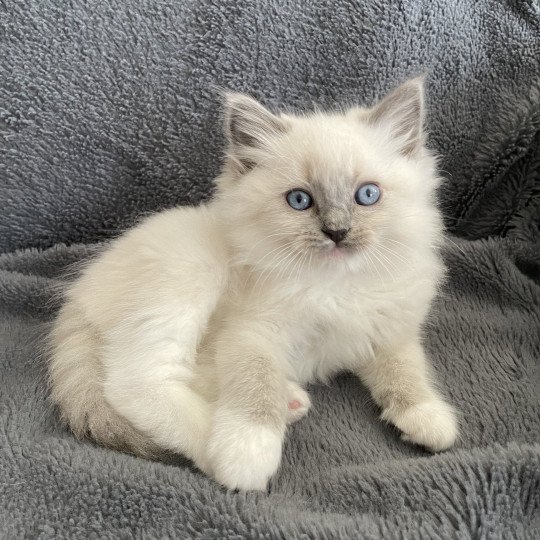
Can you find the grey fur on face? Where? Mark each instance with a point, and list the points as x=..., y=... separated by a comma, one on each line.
x=333, y=202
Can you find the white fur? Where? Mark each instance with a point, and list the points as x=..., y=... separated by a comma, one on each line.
x=196, y=329
x=244, y=454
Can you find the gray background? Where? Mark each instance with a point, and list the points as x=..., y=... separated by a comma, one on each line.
x=118, y=96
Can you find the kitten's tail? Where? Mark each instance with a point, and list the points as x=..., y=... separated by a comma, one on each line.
x=76, y=379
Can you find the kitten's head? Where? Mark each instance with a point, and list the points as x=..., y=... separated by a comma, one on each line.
x=351, y=191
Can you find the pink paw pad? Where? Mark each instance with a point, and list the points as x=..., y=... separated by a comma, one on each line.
x=294, y=404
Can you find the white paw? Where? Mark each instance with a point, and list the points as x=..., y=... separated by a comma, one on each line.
x=431, y=424
x=242, y=454
x=298, y=402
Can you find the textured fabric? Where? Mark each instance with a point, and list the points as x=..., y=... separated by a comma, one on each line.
x=106, y=113
x=110, y=108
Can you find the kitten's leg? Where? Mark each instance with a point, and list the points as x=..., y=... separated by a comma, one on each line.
x=249, y=425
x=150, y=386
x=298, y=402
x=399, y=382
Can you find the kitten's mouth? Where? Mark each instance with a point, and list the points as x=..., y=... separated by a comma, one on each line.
x=338, y=251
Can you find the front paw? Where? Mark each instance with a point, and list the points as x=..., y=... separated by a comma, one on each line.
x=298, y=402
x=242, y=454
x=430, y=424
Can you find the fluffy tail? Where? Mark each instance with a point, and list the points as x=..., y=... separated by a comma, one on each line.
x=76, y=381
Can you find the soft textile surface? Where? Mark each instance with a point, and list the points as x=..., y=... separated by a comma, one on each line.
x=107, y=113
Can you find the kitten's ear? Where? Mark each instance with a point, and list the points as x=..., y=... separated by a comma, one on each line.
x=403, y=112
x=249, y=128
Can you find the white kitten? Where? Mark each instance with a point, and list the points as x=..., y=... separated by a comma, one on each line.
x=195, y=332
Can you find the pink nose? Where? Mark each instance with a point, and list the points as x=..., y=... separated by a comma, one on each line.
x=294, y=404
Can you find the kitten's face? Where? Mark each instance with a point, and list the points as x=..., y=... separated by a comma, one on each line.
x=329, y=193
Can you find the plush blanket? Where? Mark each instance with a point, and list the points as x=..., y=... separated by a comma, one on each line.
x=110, y=110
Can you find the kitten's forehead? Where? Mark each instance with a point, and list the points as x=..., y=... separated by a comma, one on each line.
x=330, y=152
x=333, y=188
x=330, y=156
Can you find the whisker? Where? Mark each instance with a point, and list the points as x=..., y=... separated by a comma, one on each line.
x=288, y=264
x=282, y=254
x=383, y=265
x=288, y=256
x=400, y=257
x=372, y=264
x=391, y=253
x=245, y=258
x=299, y=264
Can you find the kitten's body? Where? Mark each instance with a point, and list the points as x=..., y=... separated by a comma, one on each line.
x=194, y=331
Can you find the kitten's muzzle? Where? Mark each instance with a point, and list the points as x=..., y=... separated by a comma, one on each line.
x=336, y=235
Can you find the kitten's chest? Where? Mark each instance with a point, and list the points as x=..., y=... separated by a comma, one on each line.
x=335, y=329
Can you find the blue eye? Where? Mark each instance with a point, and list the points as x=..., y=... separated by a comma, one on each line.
x=299, y=200
x=367, y=194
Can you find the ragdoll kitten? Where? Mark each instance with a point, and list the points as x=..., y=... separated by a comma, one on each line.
x=196, y=331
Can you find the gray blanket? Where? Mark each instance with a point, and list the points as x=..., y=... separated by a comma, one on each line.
x=109, y=110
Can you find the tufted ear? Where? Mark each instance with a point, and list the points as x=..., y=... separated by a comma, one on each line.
x=249, y=127
x=402, y=112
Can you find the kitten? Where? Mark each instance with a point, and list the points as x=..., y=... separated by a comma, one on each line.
x=196, y=331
